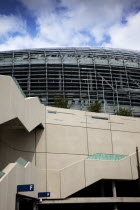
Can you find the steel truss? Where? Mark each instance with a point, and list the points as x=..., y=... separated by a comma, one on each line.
x=83, y=75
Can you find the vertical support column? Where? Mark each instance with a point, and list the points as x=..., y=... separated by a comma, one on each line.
x=79, y=78
x=63, y=77
x=60, y=80
x=121, y=81
x=115, y=207
x=102, y=189
x=96, y=82
x=91, y=84
x=46, y=63
x=117, y=95
x=13, y=63
x=114, y=194
x=104, y=96
x=35, y=206
x=114, y=189
x=128, y=86
x=88, y=90
x=29, y=74
x=112, y=82
x=78, y=63
x=17, y=203
x=95, y=71
x=108, y=59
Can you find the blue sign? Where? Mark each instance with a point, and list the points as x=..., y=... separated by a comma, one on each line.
x=25, y=188
x=43, y=194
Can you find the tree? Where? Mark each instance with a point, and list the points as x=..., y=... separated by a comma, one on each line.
x=61, y=102
x=123, y=112
x=95, y=107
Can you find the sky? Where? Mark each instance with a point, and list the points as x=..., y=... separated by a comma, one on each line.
x=28, y=24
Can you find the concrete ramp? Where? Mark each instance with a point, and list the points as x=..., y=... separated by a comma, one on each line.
x=88, y=171
x=71, y=179
x=13, y=104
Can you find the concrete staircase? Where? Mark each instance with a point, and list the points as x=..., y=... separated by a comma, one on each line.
x=13, y=104
x=88, y=171
x=31, y=113
x=19, y=173
x=72, y=178
x=61, y=183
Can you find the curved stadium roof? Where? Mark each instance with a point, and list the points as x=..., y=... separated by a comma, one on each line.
x=82, y=75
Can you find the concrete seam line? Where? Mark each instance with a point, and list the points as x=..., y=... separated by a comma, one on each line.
x=87, y=134
x=111, y=135
x=94, y=128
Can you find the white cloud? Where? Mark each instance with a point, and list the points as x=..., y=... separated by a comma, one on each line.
x=27, y=42
x=22, y=42
x=17, y=42
x=74, y=23
x=126, y=36
x=11, y=24
x=76, y=17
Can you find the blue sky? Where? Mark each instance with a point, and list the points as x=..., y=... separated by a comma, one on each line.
x=69, y=23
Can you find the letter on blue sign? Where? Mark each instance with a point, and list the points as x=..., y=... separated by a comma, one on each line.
x=43, y=194
x=25, y=188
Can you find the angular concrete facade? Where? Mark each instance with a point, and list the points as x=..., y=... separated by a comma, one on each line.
x=57, y=145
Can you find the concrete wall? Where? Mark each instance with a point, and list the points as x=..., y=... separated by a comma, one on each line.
x=20, y=136
x=86, y=133
x=69, y=136
x=72, y=135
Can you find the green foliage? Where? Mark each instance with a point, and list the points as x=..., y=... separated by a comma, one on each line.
x=123, y=112
x=95, y=107
x=61, y=102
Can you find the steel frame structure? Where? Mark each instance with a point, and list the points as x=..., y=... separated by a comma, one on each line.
x=82, y=75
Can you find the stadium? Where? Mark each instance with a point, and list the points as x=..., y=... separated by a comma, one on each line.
x=56, y=158
x=82, y=75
